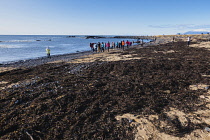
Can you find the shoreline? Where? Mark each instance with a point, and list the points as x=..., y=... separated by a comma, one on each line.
x=154, y=92
x=54, y=59
x=160, y=40
x=41, y=60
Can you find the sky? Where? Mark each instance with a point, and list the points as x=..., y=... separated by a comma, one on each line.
x=103, y=17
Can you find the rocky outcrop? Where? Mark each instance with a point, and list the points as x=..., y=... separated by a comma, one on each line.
x=94, y=37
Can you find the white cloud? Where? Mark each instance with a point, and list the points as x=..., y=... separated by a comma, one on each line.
x=202, y=30
x=203, y=27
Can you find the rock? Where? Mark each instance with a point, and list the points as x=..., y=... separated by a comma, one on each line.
x=207, y=129
x=94, y=37
x=71, y=36
x=167, y=91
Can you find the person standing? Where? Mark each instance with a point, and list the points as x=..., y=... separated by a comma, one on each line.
x=99, y=47
x=131, y=43
x=123, y=44
x=95, y=47
x=120, y=44
x=173, y=39
x=188, y=40
x=142, y=42
x=48, y=52
x=112, y=45
x=117, y=45
x=91, y=46
x=102, y=47
x=108, y=46
x=105, y=44
x=127, y=43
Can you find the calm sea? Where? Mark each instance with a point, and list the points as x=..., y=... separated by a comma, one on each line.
x=23, y=47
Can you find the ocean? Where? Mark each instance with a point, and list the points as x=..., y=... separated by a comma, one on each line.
x=22, y=47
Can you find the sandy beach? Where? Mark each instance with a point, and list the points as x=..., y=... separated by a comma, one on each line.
x=156, y=91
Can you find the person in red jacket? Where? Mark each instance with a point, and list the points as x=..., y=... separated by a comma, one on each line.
x=127, y=43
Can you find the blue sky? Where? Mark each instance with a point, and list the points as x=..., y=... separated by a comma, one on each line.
x=103, y=17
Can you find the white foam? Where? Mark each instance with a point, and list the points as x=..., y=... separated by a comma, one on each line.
x=66, y=44
x=19, y=41
x=11, y=46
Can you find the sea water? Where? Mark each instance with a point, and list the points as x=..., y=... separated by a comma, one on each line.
x=23, y=47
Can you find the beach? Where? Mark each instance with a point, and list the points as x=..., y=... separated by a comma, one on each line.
x=25, y=47
x=156, y=91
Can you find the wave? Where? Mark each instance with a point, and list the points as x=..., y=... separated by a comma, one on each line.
x=19, y=41
x=12, y=46
x=24, y=40
x=66, y=44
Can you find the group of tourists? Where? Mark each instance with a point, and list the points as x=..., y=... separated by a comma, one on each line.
x=102, y=46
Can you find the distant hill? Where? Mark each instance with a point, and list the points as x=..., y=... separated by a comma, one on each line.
x=196, y=32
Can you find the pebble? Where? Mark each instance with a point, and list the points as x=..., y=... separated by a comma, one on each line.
x=17, y=101
x=202, y=96
x=130, y=120
x=207, y=129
